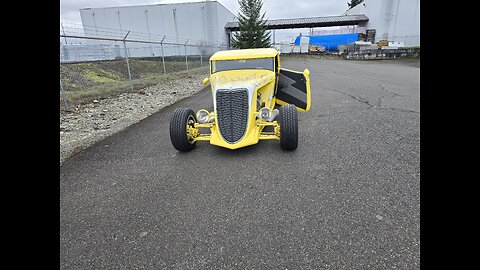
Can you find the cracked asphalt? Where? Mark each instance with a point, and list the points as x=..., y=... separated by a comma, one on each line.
x=347, y=198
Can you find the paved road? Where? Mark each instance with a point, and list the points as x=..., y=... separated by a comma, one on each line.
x=347, y=198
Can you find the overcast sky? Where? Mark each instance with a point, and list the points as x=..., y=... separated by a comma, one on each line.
x=275, y=9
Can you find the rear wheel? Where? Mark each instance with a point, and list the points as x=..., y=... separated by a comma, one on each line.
x=182, y=118
x=288, y=127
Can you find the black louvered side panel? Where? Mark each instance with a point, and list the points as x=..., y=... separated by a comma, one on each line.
x=232, y=113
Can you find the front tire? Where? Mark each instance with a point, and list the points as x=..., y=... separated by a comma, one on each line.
x=288, y=127
x=181, y=118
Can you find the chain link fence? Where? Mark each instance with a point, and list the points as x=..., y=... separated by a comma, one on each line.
x=103, y=61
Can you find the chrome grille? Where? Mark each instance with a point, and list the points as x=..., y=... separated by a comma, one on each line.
x=232, y=113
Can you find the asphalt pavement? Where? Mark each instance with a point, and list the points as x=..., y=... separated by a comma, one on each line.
x=347, y=198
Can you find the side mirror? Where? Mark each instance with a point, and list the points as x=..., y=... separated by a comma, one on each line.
x=206, y=80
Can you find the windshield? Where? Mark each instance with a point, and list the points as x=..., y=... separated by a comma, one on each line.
x=257, y=63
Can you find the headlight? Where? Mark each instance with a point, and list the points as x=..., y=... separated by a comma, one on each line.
x=264, y=113
x=202, y=116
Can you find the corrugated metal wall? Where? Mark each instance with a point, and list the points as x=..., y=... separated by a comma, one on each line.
x=180, y=23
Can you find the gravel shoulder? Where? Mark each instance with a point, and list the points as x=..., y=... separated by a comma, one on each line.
x=87, y=124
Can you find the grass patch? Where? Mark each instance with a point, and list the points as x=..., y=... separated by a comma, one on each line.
x=84, y=82
x=102, y=76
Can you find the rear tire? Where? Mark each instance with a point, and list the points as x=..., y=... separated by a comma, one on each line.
x=178, y=129
x=288, y=127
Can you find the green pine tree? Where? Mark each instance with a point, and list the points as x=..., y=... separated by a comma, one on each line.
x=354, y=3
x=253, y=31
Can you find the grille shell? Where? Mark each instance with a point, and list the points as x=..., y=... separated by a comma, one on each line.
x=232, y=113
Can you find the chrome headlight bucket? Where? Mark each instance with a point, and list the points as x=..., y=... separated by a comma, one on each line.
x=203, y=116
x=264, y=114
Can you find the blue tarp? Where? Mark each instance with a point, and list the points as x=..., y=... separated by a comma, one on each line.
x=330, y=42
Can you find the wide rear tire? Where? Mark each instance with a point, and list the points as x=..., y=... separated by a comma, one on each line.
x=178, y=129
x=288, y=127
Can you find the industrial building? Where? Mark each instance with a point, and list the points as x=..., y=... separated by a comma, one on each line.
x=196, y=23
x=393, y=20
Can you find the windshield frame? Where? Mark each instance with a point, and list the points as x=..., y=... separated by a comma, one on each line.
x=214, y=62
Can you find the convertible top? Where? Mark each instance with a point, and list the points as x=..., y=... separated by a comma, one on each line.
x=244, y=54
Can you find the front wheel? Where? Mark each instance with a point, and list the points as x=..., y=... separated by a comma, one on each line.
x=288, y=127
x=182, y=118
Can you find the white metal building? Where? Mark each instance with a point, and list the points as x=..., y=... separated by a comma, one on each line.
x=196, y=21
x=393, y=20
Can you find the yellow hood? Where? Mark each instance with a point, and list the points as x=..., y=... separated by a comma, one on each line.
x=250, y=79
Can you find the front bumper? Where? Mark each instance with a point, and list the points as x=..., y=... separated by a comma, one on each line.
x=254, y=134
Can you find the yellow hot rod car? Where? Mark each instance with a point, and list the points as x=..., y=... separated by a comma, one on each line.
x=246, y=86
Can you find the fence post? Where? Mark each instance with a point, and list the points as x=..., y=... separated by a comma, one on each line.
x=201, y=54
x=128, y=64
x=63, y=94
x=186, y=58
x=163, y=57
